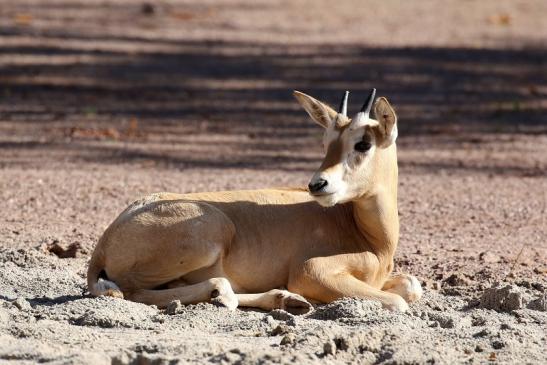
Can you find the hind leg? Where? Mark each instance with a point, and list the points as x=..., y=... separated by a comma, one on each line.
x=158, y=243
x=273, y=299
x=216, y=290
x=405, y=285
x=276, y=299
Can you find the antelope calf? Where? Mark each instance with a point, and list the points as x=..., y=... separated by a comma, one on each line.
x=237, y=248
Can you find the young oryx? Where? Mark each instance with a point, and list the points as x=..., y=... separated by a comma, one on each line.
x=239, y=247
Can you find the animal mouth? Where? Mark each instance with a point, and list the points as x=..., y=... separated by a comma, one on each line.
x=325, y=199
x=320, y=193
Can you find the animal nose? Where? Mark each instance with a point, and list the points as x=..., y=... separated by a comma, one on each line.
x=317, y=185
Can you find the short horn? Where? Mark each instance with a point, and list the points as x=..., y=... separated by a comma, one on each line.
x=344, y=105
x=368, y=104
x=362, y=117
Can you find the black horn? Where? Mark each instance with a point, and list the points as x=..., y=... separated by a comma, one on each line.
x=344, y=105
x=368, y=104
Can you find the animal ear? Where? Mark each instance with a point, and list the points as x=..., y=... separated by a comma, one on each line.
x=321, y=113
x=387, y=119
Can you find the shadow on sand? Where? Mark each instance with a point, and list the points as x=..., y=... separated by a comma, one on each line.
x=242, y=91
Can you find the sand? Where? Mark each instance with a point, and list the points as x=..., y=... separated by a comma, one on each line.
x=106, y=101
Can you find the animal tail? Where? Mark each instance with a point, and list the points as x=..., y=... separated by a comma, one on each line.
x=97, y=281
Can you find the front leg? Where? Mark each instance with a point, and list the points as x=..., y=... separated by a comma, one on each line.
x=326, y=279
x=405, y=285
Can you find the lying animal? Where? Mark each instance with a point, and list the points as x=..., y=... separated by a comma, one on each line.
x=236, y=248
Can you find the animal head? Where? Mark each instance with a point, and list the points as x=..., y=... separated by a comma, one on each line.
x=360, y=153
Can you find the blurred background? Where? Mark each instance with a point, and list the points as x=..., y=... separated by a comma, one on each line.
x=102, y=101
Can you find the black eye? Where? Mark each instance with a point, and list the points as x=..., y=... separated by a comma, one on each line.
x=362, y=146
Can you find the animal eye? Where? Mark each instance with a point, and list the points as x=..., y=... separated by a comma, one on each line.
x=362, y=146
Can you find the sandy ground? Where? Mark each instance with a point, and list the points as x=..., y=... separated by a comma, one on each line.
x=104, y=101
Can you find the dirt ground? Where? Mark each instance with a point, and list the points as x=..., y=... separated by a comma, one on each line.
x=102, y=102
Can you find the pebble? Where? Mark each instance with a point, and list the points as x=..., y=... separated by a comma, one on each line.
x=502, y=299
x=457, y=280
x=478, y=321
x=497, y=344
x=232, y=357
x=329, y=348
x=174, y=307
x=272, y=323
x=489, y=257
x=281, y=315
x=281, y=329
x=443, y=320
x=484, y=332
x=22, y=304
x=539, y=304
x=288, y=339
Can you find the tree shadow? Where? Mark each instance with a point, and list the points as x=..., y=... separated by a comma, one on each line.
x=189, y=93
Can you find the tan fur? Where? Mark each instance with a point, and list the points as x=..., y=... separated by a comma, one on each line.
x=386, y=117
x=333, y=156
x=238, y=247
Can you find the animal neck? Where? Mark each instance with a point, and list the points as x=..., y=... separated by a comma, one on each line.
x=377, y=217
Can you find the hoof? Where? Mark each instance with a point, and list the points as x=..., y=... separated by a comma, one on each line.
x=295, y=305
x=292, y=303
x=222, y=295
x=225, y=301
x=407, y=286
